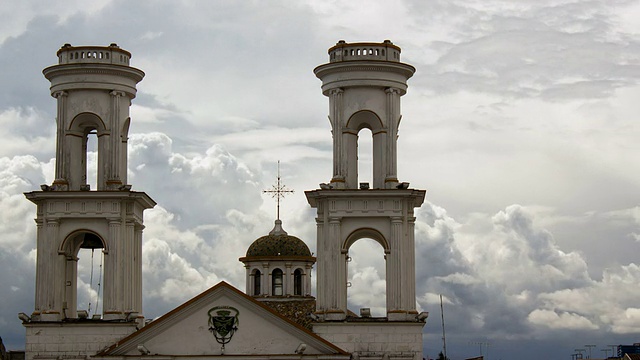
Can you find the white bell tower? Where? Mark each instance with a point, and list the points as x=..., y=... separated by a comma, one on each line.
x=94, y=87
x=364, y=83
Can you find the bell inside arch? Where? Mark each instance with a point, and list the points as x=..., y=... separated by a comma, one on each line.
x=91, y=241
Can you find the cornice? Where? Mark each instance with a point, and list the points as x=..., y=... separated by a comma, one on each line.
x=360, y=65
x=94, y=69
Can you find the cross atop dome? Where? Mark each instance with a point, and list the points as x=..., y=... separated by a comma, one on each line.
x=278, y=191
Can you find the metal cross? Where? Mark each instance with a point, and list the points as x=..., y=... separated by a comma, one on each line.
x=278, y=191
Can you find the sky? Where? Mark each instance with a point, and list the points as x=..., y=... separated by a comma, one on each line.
x=521, y=122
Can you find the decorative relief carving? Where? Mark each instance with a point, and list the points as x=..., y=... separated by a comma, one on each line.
x=223, y=323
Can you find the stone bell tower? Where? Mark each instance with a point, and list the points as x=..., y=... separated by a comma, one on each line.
x=364, y=83
x=94, y=87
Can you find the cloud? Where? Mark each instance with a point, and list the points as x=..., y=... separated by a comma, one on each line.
x=201, y=180
x=26, y=130
x=561, y=321
x=554, y=50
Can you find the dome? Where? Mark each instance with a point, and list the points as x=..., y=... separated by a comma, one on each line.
x=278, y=243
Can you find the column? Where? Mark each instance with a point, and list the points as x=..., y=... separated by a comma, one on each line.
x=335, y=116
x=62, y=163
x=41, y=270
x=393, y=120
x=394, y=266
x=137, y=268
x=321, y=248
x=336, y=286
x=265, y=284
x=247, y=281
x=410, y=255
x=71, y=286
x=129, y=267
x=287, y=278
x=53, y=271
x=124, y=139
x=113, y=157
x=307, y=280
x=350, y=158
x=112, y=299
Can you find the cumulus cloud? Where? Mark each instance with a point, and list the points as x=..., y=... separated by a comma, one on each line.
x=562, y=320
x=203, y=181
x=554, y=50
x=26, y=130
x=506, y=276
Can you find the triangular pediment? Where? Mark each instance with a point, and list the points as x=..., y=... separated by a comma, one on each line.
x=185, y=331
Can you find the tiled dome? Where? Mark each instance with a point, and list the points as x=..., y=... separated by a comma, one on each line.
x=278, y=243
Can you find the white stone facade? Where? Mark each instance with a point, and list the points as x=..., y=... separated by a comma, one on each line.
x=72, y=341
x=366, y=340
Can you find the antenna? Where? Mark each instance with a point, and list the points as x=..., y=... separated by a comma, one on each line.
x=486, y=345
x=444, y=339
x=590, y=346
x=90, y=281
x=99, y=283
x=278, y=191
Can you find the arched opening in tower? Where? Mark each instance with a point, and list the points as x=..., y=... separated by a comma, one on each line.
x=84, y=252
x=365, y=156
x=90, y=280
x=91, y=156
x=366, y=279
x=86, y=139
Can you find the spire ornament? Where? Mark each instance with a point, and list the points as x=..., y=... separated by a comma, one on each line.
x=278, y=191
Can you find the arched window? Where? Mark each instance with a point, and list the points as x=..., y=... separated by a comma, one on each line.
x=297, y=282
x=276, y=282
x=257, y=281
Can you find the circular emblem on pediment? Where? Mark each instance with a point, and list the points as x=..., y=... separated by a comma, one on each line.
x=223, y=323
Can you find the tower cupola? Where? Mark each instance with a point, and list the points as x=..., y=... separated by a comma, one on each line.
x=364, y=82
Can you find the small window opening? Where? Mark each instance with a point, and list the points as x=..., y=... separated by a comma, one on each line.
x=276, y=286
x=365, y=156
x=297, y=282
x=91, y=159
x=257, y=281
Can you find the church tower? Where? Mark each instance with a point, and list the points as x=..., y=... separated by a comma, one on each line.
x=94, y=87
x=364, y=83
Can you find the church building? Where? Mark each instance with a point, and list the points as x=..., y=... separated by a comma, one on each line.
x=276, y=316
